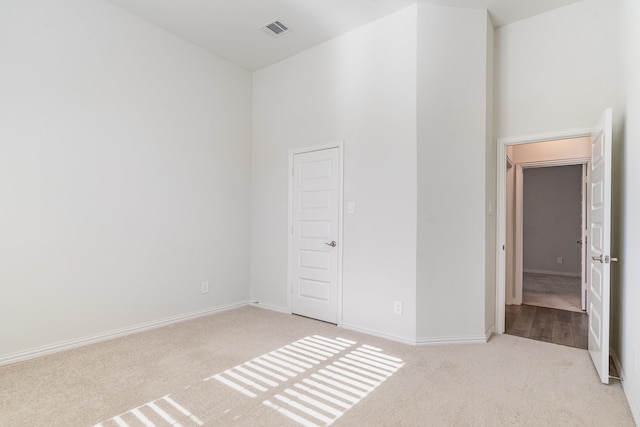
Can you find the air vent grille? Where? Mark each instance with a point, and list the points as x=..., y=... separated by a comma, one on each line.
x=275, y=28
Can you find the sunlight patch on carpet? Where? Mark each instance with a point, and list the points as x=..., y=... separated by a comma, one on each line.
x=312, y=381
x=335, y=377
x=163, y=411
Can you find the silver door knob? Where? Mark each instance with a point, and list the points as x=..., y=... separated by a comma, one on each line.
x=597, y=258
x=332, y=244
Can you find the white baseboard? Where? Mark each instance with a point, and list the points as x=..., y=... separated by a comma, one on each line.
x=632, y=400
x=479, y=339
x=551, y=273
x=6, y=359
x=471, y=339
x=270, y=307
x=378, y=334
x=487, y=335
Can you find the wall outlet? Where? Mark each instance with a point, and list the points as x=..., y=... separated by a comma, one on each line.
x=559, y=260
x=397, y=307
x=205, y=287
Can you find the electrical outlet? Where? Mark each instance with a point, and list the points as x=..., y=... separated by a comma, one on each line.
x=559, y=260
x=397, y=307
x=205, y=287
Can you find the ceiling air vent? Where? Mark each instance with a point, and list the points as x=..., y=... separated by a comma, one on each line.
x=275, y=28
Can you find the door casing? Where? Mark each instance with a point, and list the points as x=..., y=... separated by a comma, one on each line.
x=340, y=146
x=519, y=219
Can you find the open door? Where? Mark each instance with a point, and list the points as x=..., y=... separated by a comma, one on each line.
x=600, y=245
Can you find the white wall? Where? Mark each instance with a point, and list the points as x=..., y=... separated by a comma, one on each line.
x=552, y=220
x=491, y=184
x=124, y=174
x=557, y=70
x=360, y=88
x=453, y=181
x=626, y=316
x=560, y=70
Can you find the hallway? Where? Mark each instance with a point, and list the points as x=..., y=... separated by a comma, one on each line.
x=552, y=291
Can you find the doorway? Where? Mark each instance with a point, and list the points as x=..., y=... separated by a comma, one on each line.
x=598, y=246
x=515, y=155
x=546, y=225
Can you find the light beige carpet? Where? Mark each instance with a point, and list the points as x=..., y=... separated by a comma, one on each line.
x=253, y=367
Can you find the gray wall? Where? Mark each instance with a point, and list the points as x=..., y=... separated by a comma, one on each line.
x=552, y=219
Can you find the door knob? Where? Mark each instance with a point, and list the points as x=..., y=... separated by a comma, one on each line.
x=332, y=244
x=606, y=259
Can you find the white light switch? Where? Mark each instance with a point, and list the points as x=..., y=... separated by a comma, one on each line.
x=351, y=208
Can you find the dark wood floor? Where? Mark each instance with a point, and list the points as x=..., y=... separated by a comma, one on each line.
x=547, y=324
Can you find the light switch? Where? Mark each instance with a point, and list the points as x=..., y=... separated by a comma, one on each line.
x=351, y=208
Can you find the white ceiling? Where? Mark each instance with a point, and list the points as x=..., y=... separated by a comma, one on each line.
x=230, y=28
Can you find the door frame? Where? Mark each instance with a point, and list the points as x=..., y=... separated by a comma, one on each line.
x=501, y=226
x=518, y=240
x=302, y=150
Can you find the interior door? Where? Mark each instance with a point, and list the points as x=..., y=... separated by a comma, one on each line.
x=315, y=234
x=600, y=245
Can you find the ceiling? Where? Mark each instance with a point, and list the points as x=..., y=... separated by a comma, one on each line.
x=230, y=28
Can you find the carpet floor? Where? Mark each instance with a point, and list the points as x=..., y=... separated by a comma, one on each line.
x=254, y=367
x=551, y=291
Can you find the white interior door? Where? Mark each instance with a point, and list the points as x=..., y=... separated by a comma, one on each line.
x=315, y=234
x=600, y=245
x=584, y=238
